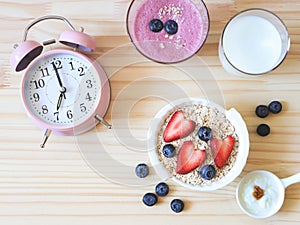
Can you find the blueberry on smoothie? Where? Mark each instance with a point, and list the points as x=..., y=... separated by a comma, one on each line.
x=171, y=27
x=156, y=25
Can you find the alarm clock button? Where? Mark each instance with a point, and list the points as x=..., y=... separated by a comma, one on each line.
x=23, y=55
x=77, y=39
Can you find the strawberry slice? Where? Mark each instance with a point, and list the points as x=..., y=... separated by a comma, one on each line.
x=189, y=158
x=178, y=127
x=221, y=150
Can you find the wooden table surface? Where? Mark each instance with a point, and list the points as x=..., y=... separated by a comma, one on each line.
x=58, y=185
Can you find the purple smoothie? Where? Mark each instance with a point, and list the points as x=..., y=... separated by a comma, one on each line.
x=193, y=25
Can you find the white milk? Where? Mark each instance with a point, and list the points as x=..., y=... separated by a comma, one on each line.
x=252, y=44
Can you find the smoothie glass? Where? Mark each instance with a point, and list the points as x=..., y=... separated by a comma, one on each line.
x=253, y=42
x=192, y=20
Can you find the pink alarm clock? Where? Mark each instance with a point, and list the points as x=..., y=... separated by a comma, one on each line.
x=63, y=91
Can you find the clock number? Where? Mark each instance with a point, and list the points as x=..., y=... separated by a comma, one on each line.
x=88, y=97
x=69, y=114
x=36, y=97
x=89, y=84
x=45, y=72
x=57, y=64
x=82, y=107
x=81, y=71
x=39, y=84
x=71, y=64
x=45, y=109
x=57, y=115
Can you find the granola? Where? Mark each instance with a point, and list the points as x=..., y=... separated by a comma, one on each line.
x=221, y=127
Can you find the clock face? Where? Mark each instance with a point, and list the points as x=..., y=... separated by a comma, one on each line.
x=61, y=88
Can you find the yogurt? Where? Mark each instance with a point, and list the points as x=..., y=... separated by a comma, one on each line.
x=269, y=198
x=193, y=25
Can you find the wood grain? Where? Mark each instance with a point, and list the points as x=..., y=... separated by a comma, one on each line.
x=58, y=186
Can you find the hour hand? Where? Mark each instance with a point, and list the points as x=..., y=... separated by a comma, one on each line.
x=59, y=101
x=61, y=96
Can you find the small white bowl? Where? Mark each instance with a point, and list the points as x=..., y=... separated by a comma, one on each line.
x=274, y=194
x=235, y=119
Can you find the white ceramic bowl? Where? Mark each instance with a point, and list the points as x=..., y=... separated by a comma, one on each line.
x=235, y=119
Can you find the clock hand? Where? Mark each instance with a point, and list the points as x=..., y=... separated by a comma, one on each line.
x=57, y=75
x=62, y=88
x=62, y=95
x=59, y=101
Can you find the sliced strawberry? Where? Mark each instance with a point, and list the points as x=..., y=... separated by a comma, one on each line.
x=221, y=150
x=178, y=127
x=189, y=158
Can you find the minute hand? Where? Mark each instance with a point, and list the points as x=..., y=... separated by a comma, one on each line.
x=57, y=75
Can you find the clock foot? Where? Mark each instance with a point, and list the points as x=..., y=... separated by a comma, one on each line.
x=46, y=137
x=101, y=120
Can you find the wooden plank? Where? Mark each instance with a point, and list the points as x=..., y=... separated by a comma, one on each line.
x=58, y=185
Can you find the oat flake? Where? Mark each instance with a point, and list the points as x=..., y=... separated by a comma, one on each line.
x=221, y=127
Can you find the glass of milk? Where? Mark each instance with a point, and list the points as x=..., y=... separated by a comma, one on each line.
x=253, y=42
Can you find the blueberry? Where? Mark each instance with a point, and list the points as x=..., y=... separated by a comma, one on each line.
x=275, y=107
x=149, y=199
x=263, y=130
x=156, y=25
x=171, y=27
x=162, y=189
x=177, y=205
x=142, y=170
x=169, y=150
x=205, y=133
x=208, y=172
x=262, y=111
